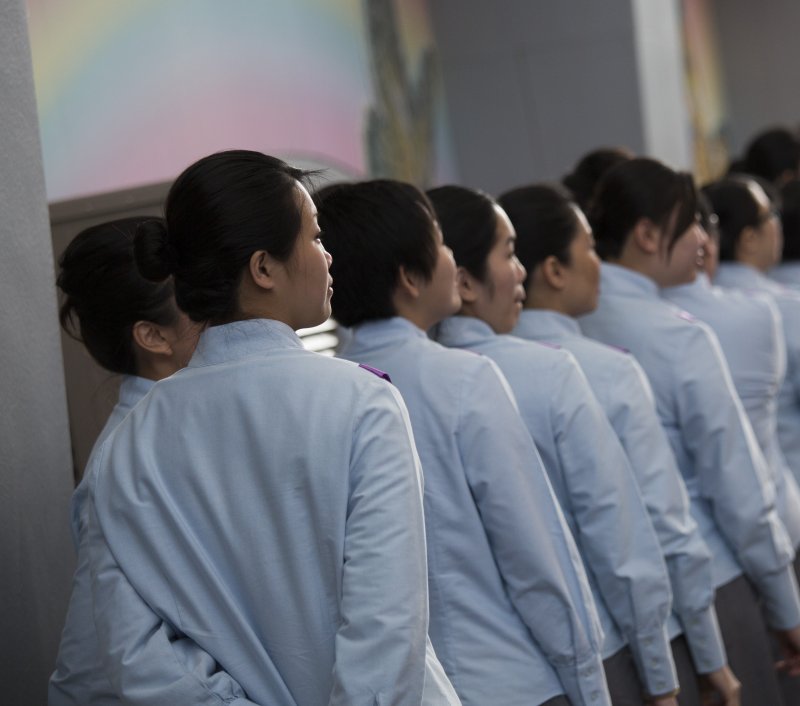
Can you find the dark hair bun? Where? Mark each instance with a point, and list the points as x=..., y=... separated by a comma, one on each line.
x=155, y=256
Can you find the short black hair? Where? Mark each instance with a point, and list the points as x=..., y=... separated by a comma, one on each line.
x=372, y=229
x=771, y=153
x=469, y=225
x=583, y=179
x=545, y=220
x=736, y=209
x=790, y=219
x=104, y=294
x=219, y=211
x=641, y=188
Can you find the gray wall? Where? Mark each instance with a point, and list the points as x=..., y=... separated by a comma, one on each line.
x=36, y=553
x=760, y=53
x=533, y=84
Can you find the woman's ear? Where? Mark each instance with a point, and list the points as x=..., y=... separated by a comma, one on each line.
x=647, y=236
x=150, y=338
x=408, y=283
x=467, y=285
x=551, y=272
x=262, y=269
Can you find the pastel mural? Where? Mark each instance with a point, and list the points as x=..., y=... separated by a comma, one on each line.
x=131, y=91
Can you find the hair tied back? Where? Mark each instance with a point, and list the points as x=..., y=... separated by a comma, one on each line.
x=153, y=250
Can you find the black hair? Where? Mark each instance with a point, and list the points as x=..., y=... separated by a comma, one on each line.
x=641, y=188
x=583, y=179
x=371, y=230
x=218, y=212
x=546, y=223
x=469, y=225
x=790, y=220
x=104, y=294
x=771, y=153
x=736, y=209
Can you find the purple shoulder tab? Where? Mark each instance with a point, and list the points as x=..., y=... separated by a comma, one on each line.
x=375, y=371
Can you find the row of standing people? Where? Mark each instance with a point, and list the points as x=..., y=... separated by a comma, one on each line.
x=595, y=530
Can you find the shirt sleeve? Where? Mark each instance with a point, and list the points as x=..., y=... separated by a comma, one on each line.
x=381, y=643
x=147, y=662
x=733, y=475
x=687, y=557
x=530, y=541
x=614, y=529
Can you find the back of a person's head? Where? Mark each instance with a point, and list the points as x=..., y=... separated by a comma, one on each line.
x=469, y=225
x=583, y=179
x=371, y=230
x=545, y=220
x=736, y=209
x=773, y=155
x=636, y=189
x=105, y=295
x=219, y=211
x=790, y=220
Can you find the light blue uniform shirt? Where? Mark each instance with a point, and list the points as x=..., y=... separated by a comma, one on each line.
x=735, y=275
x=750, y=332
x=624, y=393
x=175, y=668
x=725, y=472
x=596, y=489
x=267, y=502
x=512, y=617
x=787, y=273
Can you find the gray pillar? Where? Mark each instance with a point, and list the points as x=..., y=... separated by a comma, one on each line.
x=531, y=85
x=36, y=555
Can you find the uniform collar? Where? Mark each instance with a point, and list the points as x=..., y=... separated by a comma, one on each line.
x=546, y=325
x=383, y=331
x=133, y=388
x=701, y=283
x=243, y=339
x=742, y=275
x=623, y=281
x=463, y=331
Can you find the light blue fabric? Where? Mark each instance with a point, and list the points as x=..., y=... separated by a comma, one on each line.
x=787, y=274
x=738, y=276
x=725, y=472
x=624, y=393
x=177, y=671
x=750, y=331
x=512, y=617
x=267, y=502
x=596, y=489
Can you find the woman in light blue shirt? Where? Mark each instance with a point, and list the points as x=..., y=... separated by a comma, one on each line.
x=787, y=271
x=133, y=328
x=556, y=247
x=750, y=245
x=266, y=501
x=644, y=221
x=512, y=617
x=587, y=465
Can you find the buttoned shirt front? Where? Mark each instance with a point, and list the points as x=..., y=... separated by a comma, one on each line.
x=512, y=617
x=624, y=393
x=267, y=502
x=596, y=489
x=725, y=472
